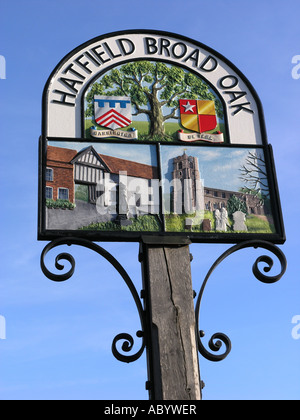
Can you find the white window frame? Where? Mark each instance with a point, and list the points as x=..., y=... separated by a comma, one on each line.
x=58, y=193
x=50, y=188
x=52, y=172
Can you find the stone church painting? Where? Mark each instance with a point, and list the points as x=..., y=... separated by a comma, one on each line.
x=216, y=189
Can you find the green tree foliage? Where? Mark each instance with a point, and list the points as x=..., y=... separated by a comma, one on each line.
x=236, y=204
x=154, y=88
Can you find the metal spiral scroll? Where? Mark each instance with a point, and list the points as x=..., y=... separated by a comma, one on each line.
x=128, y=341
x=218, y=339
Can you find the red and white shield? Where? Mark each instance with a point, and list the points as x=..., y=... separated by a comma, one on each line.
x=112, y=111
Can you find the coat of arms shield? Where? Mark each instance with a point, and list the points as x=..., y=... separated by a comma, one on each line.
x=198, y=115
x=112, y=112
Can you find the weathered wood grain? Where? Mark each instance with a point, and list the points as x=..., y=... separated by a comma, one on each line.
x=174, y=357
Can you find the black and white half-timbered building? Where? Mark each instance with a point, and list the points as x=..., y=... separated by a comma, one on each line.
x=101, y=176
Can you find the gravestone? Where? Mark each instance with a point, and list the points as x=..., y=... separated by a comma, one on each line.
x=239, y=221
x=224, y=219
x=218, y=219
x=206, y=225
x=221, y=219
x=188, y=223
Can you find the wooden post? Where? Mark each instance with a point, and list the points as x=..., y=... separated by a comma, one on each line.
x=172, y=354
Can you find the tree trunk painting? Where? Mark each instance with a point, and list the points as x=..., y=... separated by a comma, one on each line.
x=154, y=89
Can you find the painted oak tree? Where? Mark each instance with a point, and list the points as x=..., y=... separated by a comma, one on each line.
x=154, y=88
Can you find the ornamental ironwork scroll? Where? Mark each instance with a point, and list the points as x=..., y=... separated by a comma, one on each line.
x=128, y=341
x=218, y=339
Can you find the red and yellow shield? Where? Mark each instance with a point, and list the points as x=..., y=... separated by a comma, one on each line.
x=198, y=115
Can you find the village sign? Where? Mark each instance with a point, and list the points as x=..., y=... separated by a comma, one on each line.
x=147, y=133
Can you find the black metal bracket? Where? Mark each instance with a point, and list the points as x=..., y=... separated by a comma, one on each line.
x=128, y=341
x=218, y=339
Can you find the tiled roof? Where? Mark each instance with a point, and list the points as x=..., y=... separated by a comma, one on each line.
x=60, y=157
x=135, y=169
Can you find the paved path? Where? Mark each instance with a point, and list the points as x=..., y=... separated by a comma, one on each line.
x=83, y=215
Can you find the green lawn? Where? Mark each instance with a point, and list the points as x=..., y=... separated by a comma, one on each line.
x=176, y=222
x=144, y=223
x=255, y=224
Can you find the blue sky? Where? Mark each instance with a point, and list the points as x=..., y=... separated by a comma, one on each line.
x=219, y=168
x=58, y=336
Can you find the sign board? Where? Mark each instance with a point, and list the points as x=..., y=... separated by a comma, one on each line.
x=147, y=133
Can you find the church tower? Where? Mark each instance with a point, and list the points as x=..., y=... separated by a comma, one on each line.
x=188, y=192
